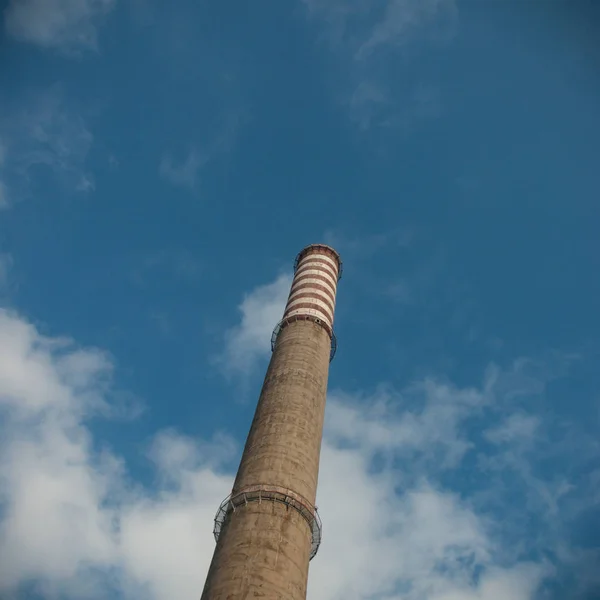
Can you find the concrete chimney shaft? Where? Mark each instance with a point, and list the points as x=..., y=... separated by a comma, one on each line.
x=268, y=529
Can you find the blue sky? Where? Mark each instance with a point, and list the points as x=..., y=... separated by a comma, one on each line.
x=160, y=167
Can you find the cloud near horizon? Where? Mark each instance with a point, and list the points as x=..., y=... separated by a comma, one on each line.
x=75, y=522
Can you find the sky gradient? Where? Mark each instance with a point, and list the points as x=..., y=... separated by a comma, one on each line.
x=161, y=164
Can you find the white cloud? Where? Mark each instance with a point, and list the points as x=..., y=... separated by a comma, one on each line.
x=390, y=531
x=519, y=438
x=52, y=521
x=376, y=541
x=428, y=428
x=166, y=538
x=250, y=341
x=69, y=25
x=75, y=522
x=71, y=519
x=395, y=535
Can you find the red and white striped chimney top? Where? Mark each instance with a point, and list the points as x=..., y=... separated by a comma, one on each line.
x=317, y=270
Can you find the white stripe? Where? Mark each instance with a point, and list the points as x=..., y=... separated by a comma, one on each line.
x=312, y=312
x=311, y=281
x=325, y=257
x=325, y=266
x=322, y=307
x=316, y=271
x=314, y=294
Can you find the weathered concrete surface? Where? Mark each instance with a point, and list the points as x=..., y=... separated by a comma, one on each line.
x=285, y=438
x=263, y=550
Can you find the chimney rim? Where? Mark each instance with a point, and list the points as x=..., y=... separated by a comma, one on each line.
x=327, y=250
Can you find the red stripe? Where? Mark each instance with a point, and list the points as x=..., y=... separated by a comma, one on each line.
x=307, y=260
x=315, y=286
x=322, y=250
x=308, y=305
x=314, y=266
x=314, y=297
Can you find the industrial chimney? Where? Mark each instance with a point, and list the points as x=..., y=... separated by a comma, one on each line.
x=268, y=529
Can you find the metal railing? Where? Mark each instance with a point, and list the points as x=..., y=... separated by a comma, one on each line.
x=293, y=318
x=263, y=493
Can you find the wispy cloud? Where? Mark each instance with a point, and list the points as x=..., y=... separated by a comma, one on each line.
x=45, y=132
x=518, y=427
x=526, y=438
x=249, y=341
x=403, y=19
x=373, y=41
x=69, y=26
x=365, y=28
x=427, y=429
x=185, y=172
